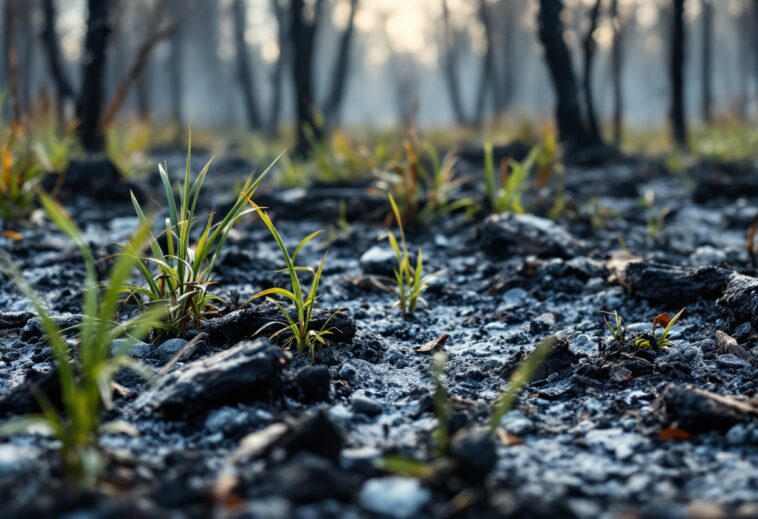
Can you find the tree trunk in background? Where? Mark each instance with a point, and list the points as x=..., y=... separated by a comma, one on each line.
x=589, y=47
x=451, y=67
x=677, y=114
x=571, y=127
x=617, y=56
x=340, y=72
x=706, y=18
x=10, y=61
x=91, y=97
x=50, y=42
x=303, y=36
x=487, y=78
x=277, y=75
x=244, y=70
x=176, y=79
x=26, y=56
x=508, y=61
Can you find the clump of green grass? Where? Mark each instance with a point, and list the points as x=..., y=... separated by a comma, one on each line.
x=85, y=377
x=616, y=325
x=178, y=275
x=659, y=339
x=126, y=145
x=505, y=192
x=299, y=330
x=442, y=411
x=410, y=281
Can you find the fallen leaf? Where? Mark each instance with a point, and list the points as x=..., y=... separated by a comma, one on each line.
x=662, y=319
x=13, y=235
x=507, y=438
x=674, y=434
x=433, y=345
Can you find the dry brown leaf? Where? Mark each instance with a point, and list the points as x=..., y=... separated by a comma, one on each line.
x=507, y=438
x=433, y=345
x=674, y=434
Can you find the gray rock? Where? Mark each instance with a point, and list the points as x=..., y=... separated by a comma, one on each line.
x=707, y=256
x=138, y=350
x=166, y=351
x=394, y=496
x=542, y=323
x=247, y=372
x=366, y=406
x=515, y=422
x=16, y=460
x=730, y=361
x=475, y=454
x=514, y=298
x=379, y=260
x=510, y=233
x=738, y=434
x=583, y=346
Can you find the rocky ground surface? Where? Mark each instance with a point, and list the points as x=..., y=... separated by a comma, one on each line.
x=236, y=427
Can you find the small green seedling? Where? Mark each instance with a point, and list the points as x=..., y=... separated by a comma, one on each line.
x=86, y=377
x=616, y=325
x=441, y=404
x=300, y=330
x=519, y=379
x=655, y=339
x=410, y=281
x=505, y=194
x=179, y=275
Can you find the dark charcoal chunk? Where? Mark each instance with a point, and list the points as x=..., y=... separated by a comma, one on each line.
x=670, y=284
x=96, y=177
x=21, y=400
x=475, y=454
x=315, y=434
x=739, y=303
x=247, y=372
x=313, y=383
x=509, y=233
x=697, y=410
x=33, y=327
x=308, y=478
x=243, y=324
x=10, y=320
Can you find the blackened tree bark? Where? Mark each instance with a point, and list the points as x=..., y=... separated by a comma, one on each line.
x=277, y=75
x=91, y=97
x=572, y=128
x=451, y=66
x=506, y=76
x=52, y=50
x=589, y=47
x=176, y=77
x=707, y=56
x=487, y=76
x=341, y=67
x=304, y=22
x=10, y=60
x=617, y=57
x=677, y=112
x=244, y=70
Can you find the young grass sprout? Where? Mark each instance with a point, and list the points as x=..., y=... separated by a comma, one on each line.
x=410, y=281
x=179, y=274
x=85, y=378
x=655, y=339
x=616, y=325
x=505, y=193
x=298, y=329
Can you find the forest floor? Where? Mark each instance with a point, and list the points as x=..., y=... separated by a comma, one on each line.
x=237, y=428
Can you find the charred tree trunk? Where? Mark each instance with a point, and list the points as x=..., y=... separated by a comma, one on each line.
x=244, y=70
x=508, y=61
x=589, y=48
x=26, y=56
x=571, y=126
x=487, y=78
x=277, y=75
x=617, y=57
x=451, y=66
x=91, y=97
x=303, y=36
x=677, y=113
x=176, y=80
x=50, y=41
x=341, y=68
x=10, y=60
x=707, y=59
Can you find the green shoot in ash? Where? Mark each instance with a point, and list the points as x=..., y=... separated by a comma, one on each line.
x=85, y=377
x=178, y=275
x=658, y=339
x=298, y=327
x=410, y=281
